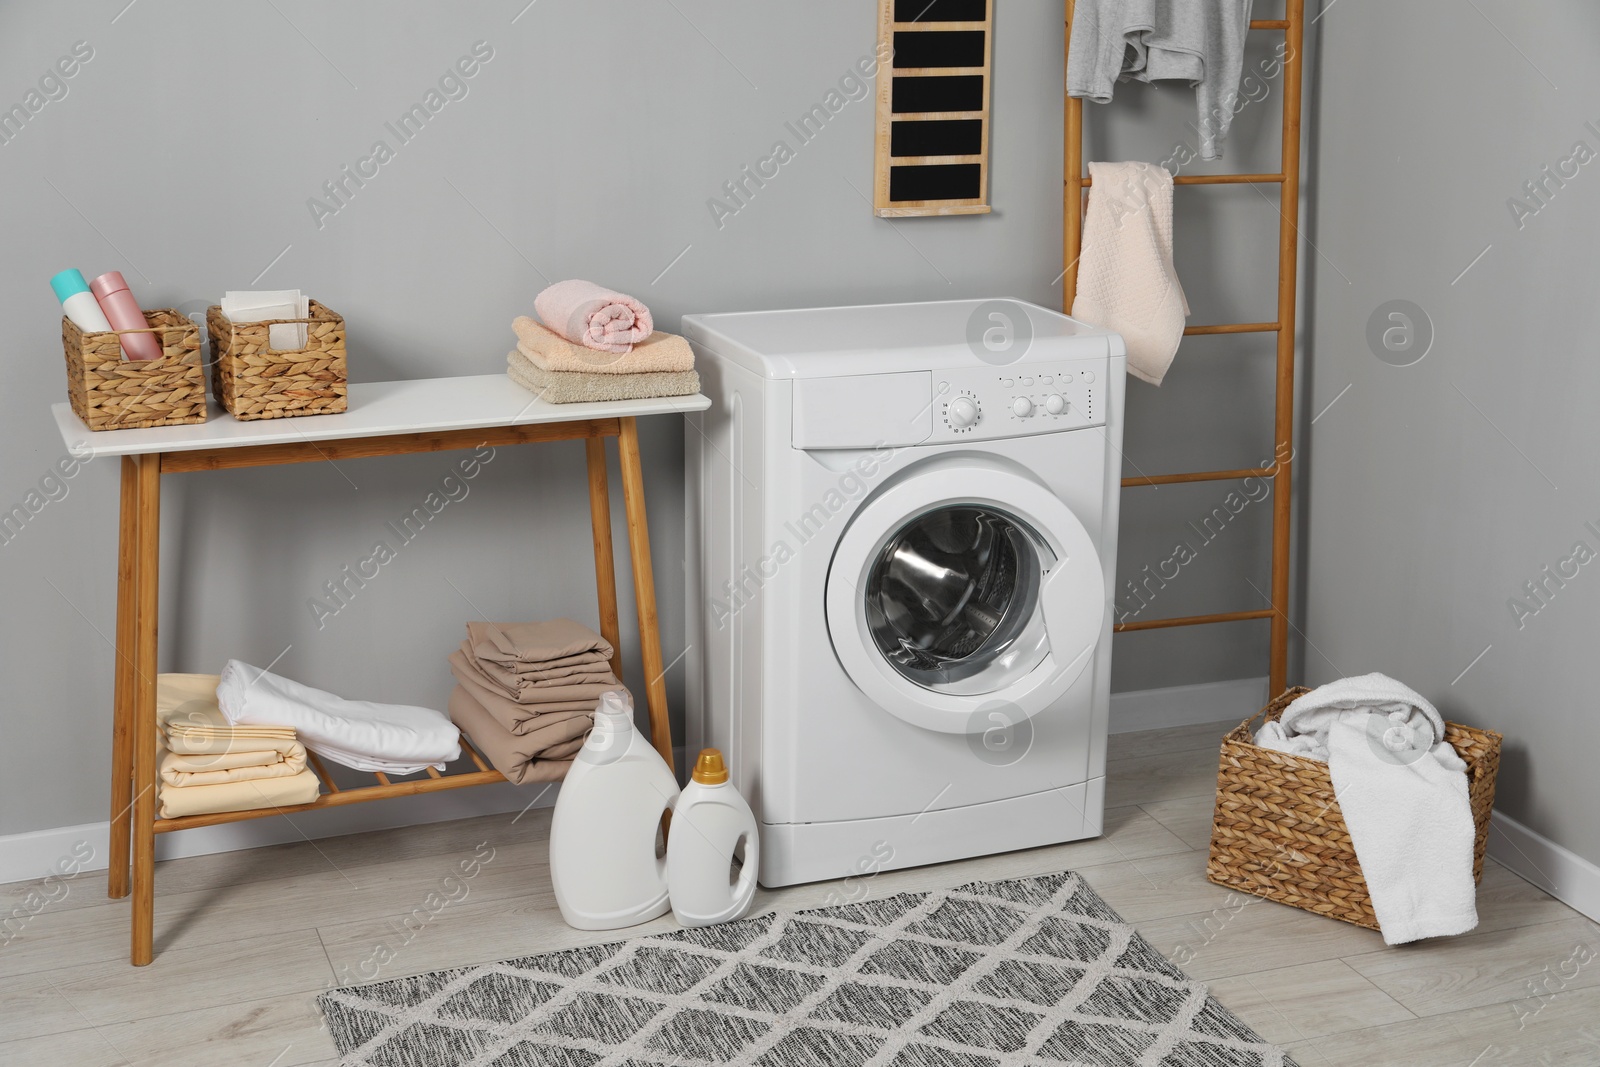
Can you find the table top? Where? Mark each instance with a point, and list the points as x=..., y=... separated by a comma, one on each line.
x=377, y=409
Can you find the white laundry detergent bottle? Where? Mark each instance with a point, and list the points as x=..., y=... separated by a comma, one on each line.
x=710, y=826
x=603, y=858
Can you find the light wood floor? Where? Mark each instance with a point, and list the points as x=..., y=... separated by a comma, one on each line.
x=245, y=940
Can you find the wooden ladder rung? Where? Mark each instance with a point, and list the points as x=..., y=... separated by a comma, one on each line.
x=1233, y=327
x=383, y=779
x=1269, y=24
x=1193, y=620
x=1209, y=179
x=1199, y=476
x=433, y=772
x=321, y=771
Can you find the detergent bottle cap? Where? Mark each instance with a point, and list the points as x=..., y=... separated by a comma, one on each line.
x=709, y=768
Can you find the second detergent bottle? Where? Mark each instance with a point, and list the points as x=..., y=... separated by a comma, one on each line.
x=603, y=856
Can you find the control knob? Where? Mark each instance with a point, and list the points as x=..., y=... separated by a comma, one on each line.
x=1022, y=407
x=1055, y=403
x=962, y=412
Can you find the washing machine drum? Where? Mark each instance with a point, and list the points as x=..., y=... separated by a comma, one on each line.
x=963, y=589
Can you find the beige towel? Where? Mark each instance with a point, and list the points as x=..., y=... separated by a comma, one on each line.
x=588, y=685
x=549, y=645
x=518, y=717
x=1126, y=280
x=207, y=766
x=527, y=759
x=567, y=387
x=547, y=350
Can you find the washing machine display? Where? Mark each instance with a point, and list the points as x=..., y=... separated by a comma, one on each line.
x=952, y=594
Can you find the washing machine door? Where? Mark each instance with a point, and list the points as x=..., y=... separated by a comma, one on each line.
x=962, y=588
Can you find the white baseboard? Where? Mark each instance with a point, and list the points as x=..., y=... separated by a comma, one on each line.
x=1187, y=705
x=1560, y=872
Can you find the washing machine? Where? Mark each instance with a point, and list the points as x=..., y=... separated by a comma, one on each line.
x=901, y=534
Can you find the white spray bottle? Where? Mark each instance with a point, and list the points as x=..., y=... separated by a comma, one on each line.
x=603, y=858
x=710, y=826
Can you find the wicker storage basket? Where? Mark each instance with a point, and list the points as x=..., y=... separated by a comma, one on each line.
x=111, y=393
x=1278, y=832
x=252, y=380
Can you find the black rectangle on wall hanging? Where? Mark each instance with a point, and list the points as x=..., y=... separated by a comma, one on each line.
x=933, y=108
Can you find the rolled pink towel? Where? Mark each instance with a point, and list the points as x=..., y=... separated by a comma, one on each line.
x=597, y=318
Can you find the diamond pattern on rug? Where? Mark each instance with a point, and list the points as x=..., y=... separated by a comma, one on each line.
x=773, y=990
x=600, y=1017
x=882, y=1006
x=1037, y=983
x=816, y=943
x=497, y=997
x=660, y=970
x=920, y=962
x=528, y=1054
x=1205, y=1054
x=1003, y=1029
x=1145, y=1000
x=706, y=1035
x=1032, y=972
x=1068, y=940
x=810, y=1047
x=972, y=922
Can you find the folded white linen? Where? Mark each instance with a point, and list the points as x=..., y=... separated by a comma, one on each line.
x=392, y=738
x=1402, y=790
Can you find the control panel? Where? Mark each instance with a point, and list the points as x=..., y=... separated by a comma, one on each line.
x=1011, y=401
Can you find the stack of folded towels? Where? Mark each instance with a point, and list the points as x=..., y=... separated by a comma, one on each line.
x=206, y=764
x=526, y=693
x=595, y=345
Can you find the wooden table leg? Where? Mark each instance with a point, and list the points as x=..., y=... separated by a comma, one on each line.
x=605, y=564
x=644, y=589
x=122, y=702
x=147, y=609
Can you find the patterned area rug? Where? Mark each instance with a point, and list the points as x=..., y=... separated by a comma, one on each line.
x=1035, y=971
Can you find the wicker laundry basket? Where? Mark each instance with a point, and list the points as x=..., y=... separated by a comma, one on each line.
x=1278, y=832
x=253, y=380
x=109, y=392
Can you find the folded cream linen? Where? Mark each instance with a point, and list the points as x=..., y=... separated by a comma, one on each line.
x=569, y=387
x=548, y=350
x=591, y=315
x=174, y=801
x=1126, y=280
x=517, y=717
x=392, y=738
x=527, y=759
x=198, y=747
x=218, y=768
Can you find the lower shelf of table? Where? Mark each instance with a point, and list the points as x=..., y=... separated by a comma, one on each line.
x=334, y=796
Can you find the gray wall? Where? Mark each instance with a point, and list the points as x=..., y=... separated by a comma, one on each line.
x=1437, y=490
x=185, y=151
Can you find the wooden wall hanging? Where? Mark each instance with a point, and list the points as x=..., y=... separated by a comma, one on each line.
x=933, y=108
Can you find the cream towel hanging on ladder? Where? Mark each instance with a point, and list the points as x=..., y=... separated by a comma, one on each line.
x=1126, y=280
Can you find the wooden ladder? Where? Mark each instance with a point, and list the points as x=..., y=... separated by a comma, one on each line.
x=1288, y=181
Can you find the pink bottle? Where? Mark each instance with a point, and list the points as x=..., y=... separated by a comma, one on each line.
x=122, y=311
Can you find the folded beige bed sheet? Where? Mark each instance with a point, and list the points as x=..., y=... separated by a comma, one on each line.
x=206, y=766
x=572, y=387
x=552, y=652
x=526, y=759
x=523, y=719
